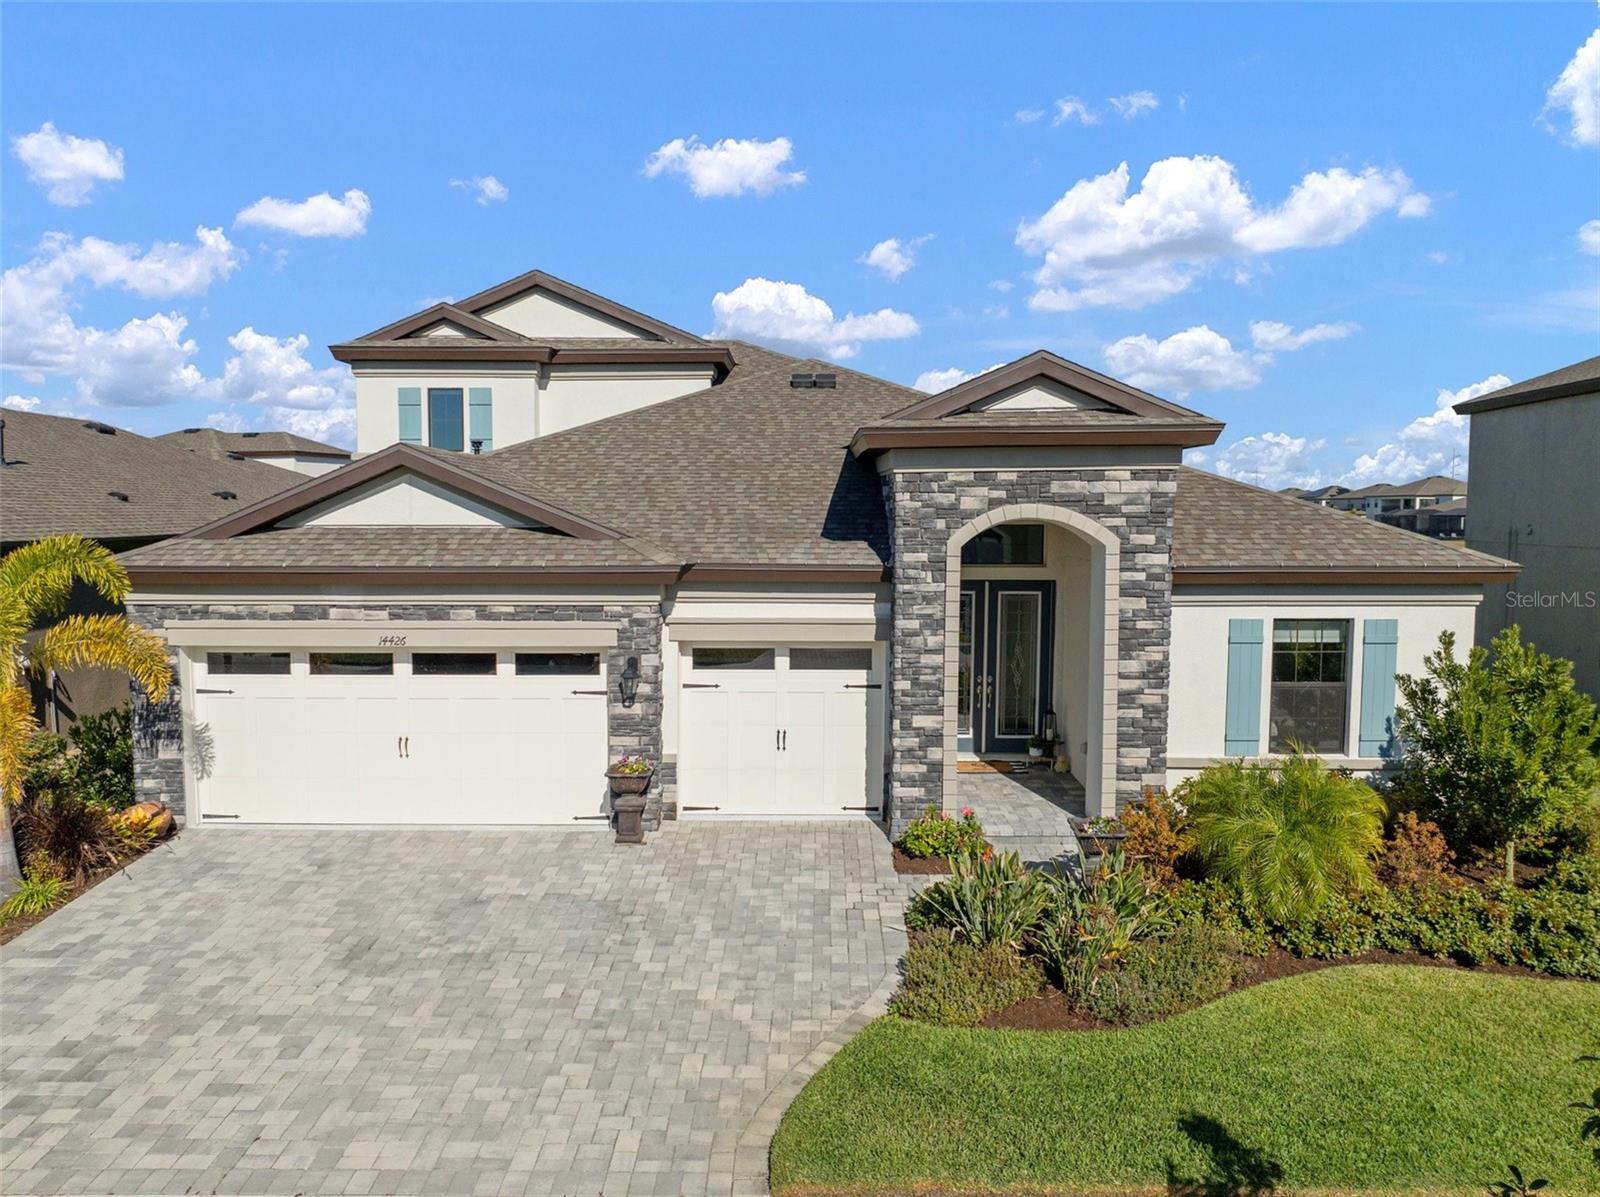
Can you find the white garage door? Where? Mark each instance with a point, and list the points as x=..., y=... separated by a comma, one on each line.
x=484, y=737
x=775, y=730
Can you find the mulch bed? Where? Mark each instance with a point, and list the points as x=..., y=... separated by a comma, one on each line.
x=12, y=928
x=934, y=866
x=1051, y=1011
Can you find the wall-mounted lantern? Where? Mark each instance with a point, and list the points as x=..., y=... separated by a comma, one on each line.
x=628, y=683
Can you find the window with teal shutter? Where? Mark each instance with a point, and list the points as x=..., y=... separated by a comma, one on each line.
x=1379, y=647
x=480, y=417
x=410, y=415
x=1242, y=722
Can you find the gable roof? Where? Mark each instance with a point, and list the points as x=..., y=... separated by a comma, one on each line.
x=215, y=443
x=1580, y=378
x=442, y=313
x=1433, y=484
x=62, y=474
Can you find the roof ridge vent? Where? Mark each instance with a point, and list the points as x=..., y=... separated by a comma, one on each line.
x=225, y=494
x=249, y=434
x=808, y=381
x=97, y=426
x=119, y=495
x=235, y=456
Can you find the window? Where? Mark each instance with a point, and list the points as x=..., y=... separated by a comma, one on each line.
x=1310, y=684
x=1009, y=544
x=452, y=664
x=247, y=663
x=558, y=664
x=733, y=658
x=352, y=663
x=445, y=429
x=857, y=659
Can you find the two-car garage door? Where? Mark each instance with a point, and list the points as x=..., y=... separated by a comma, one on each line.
x=454, y=737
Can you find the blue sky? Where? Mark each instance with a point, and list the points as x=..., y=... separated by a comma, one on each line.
x=1353, y=209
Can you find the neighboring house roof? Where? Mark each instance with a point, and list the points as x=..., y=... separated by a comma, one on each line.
x=1423, y=488
x=1333, y=491
x=216, y=443
x=755, y=476
x=63, y=474
x=1580, y=378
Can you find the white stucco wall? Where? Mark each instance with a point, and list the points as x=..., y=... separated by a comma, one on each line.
x=1198, y=701
x=574, y=395
x=301, y=464
x=537, y=313
x=404, y=501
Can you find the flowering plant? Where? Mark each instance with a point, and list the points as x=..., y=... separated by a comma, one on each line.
x=632, y=766
x=937, y=834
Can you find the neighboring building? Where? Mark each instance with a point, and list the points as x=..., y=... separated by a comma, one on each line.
x=283, y=449
x=1386, y=498
x=803, y=590
x=1446, y=520
x=1322, y=496
x=1535, y=461
x=62, y=474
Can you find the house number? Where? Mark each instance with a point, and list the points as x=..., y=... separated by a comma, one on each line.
x=392, y=641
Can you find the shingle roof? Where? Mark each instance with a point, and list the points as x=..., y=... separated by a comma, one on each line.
x=59, y=471
x=216, y=443
x=1433, y=484
x=1580, y=378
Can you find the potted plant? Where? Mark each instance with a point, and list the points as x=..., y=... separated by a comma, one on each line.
x=1037, y=746
x=631, y=774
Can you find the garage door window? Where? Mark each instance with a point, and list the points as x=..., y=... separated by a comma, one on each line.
x=733, y=658
x=558, y=664
x=217, y=663
x=352, y=663
x=830, y=658
x=452, y=664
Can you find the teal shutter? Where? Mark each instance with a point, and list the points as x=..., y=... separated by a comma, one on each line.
x=410, y=415
x=1242, y=728
x=1379, y=642
x=480, y=417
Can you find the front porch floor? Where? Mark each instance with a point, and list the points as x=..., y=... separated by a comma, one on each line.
x=1026, y=812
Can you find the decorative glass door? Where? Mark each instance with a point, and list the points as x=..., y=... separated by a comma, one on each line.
x=1003, y=675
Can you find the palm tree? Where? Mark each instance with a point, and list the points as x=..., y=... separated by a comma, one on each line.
x=36, y=582
x=1286, y=835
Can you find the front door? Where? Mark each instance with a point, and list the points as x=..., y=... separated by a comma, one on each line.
x=1004, y=655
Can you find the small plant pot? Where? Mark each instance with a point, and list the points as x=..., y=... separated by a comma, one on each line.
x=630, y=783
x=1036, y=753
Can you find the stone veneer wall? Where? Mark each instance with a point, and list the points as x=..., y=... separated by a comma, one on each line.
x=925, y=507
x=158, y=728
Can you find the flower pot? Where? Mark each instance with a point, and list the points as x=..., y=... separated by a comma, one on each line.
x=1036, y=752
x=630, y=783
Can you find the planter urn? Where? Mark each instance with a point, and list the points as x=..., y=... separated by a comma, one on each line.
x=629, y=796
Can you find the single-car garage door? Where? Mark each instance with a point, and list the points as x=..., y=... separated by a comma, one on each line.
x=487, y=737
x=779, y=730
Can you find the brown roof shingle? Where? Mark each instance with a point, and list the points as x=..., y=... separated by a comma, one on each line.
x=213, y=442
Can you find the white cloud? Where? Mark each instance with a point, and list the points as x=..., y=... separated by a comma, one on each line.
x=1001, y=285
x=893, y=257
x=727, y=167
x=1196, y=359
x=272, y=385
x=1273, y=460
x=1135, y=104
x=1439, y=257
x=1276, y=337
x=486, y=189
x=21, y=402
x=67, y=167
x=1589, y=237
x=1435, y=443
x=934, y=381
x=317, y=216
x=1026, y=116
x=1103, y=246
x=145, y=363
x=1577, y=90
x=787, y=315
x=1070, y=108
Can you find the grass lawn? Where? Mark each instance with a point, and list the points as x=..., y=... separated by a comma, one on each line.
x=1366, y=1078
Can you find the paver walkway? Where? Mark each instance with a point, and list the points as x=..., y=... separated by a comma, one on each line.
x=435, y=1012
x=1028, y=812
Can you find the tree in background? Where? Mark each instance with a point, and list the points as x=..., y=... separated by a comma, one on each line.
x=36, y=583
x=1496, y=748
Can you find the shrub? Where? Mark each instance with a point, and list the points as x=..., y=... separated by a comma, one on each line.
x=986, y=900
x=80, y=838
x=1286, y=836
x=1555, y=927
x=937, y=834
x=1162, y=977
x=1089, y=925
x=1417, y=856
x=1497, y=748
x=1156, y=838
x=1223, y=908
x=103, y=769
x=34, y=895
x=951, y=983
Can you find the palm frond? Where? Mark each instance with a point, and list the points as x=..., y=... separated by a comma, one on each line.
x=39, y=577
x=17, y=728
x=108, y=642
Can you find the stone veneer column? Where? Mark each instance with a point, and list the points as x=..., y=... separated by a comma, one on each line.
x=925, y=507
x=158, y=729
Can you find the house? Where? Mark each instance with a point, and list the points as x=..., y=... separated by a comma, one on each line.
x=285, y=449
x=1536, y=497
x=805, y=591
x=63, y=474
x=1322, y=495
x=1386, y=497
x=1446, y=519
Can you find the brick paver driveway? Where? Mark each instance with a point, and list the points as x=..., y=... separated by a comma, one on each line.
x=433, y=1012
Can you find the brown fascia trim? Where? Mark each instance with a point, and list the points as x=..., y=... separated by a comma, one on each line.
x=1042, y=364
x=573, y=294
x=1334, y=576
x=400, y=457
x=1561, y=390
x=649, y=353
x=1188, y=436
x=325, y=454
x=322, y=575
x=440, y=312
x=712, y=572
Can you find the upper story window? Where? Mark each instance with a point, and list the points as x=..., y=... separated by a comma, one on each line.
x=446, y=425
x=1009, y=544
x=1310, y=684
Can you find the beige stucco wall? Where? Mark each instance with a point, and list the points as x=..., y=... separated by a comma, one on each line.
x=1535, y=498
x=540, y=314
